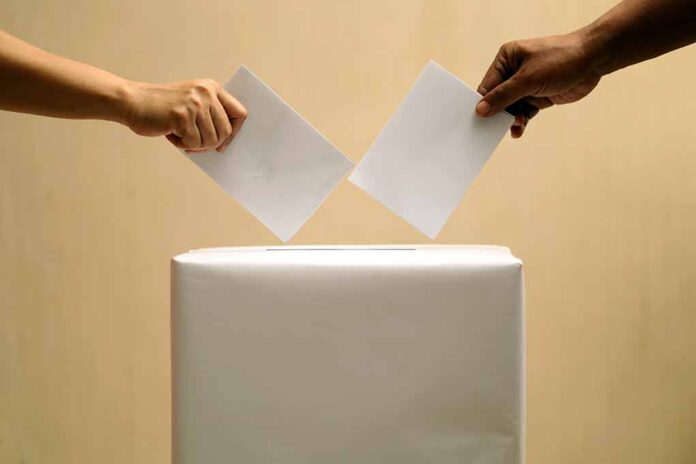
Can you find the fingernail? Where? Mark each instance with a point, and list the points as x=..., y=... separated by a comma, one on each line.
x=483, y=108
x=516, y=134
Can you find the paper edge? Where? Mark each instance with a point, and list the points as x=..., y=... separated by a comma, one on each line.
x=357, y=183
x=351, y=165
x=244, y=67
x=438, y=65
x=351, y=177
x=323, y=200
x=348, y=168
x=403, y=100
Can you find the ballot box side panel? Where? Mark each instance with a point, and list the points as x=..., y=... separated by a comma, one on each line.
x=307, y=363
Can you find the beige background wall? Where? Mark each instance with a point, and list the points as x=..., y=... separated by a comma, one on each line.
x=599, y=199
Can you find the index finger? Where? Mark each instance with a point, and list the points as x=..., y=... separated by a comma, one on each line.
x=493, y=77
x=236, y=112
x=233, y=108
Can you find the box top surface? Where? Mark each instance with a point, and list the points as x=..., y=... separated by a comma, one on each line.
x=352, y=255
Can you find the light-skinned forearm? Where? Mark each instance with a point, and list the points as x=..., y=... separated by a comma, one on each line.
x=195, y=115
x=35, y=81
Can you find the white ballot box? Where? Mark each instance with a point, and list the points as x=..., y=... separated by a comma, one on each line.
x=348, y=355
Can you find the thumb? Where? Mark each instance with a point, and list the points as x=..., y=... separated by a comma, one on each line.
x=502, y=96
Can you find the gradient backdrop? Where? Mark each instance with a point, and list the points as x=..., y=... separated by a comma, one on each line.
x=598, y=199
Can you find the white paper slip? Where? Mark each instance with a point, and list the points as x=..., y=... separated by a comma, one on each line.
x=278, y=166
x=430, y=151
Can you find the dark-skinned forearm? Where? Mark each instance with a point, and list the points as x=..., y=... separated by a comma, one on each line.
x=638, y=30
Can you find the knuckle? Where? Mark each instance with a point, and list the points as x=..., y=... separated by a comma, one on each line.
x=206, y=87
x=501, y=66
x=499, y=94
x=201, y=85
x=521, y=47
x=180, y=115
x=514, y=52
x=507, y=47
x=195, y=101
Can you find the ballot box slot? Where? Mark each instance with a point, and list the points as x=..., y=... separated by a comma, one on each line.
x=340, y=249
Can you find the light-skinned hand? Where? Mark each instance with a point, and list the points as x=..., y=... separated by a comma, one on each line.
x=196, y=115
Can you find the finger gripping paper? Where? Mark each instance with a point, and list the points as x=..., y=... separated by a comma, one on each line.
x=431, y=150
x=278, y=166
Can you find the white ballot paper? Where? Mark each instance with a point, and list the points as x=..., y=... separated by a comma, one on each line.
x=430, y=151
x=278, y=166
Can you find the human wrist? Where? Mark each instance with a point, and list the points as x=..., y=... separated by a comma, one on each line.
x=124, y=104
x=597, y=39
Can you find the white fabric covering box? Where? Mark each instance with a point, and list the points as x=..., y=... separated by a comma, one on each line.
x=348, y=355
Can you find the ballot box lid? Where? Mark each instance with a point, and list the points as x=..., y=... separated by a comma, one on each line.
x=353, y=254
